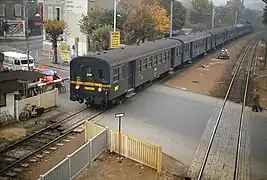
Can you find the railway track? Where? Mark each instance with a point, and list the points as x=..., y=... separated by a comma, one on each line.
x=18, y=155
x=223, y=152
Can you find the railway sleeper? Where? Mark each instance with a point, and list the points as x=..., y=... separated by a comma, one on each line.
x=43, y=141
x=33, y=144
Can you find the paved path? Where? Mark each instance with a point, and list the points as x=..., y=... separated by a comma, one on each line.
x=172, y=118
x=221, y=161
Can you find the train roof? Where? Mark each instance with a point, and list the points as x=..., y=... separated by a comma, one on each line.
x=230, y=28
x=189, y=37
x=121, y=55
x=202, y=34
x=239, y=25
x=217, y=30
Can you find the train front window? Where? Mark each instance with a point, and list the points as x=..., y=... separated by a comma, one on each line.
x=100, y=74
x=87, y=73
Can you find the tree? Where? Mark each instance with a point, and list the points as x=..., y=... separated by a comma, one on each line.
x=224, y=16
x=179, y=15
x=179, y=11
x=140, y=24
x=265, y=15
x=99, y=18
x=160, y=15
x=100, y=37
x=201, y=12
x=54, y=29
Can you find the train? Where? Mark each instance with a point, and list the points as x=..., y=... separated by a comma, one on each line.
x=107, y=78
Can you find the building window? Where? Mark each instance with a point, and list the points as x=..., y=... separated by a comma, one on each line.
x=2, y=10
x=58, y=14
x=50, y=13
x=18, y=10
x=116, y=74
x=2, y=100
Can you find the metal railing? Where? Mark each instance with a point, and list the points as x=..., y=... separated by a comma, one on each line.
x=78, y=160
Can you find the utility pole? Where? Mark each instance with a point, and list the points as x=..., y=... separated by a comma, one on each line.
x=265, y=57
x=213, y=16
x=26, y=19
x=236, y=14
x=115, y=15
x=171, y=21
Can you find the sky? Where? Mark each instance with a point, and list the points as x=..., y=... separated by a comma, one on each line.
x=257, y=3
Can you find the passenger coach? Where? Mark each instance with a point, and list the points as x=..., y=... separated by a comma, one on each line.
x=105, y=78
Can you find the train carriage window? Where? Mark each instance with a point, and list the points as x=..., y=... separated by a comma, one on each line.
x=150, y=63
x=100, y=73
x=145, y=64
x=156, y=59
x=168, y=55
x=116, y=74
x=124, y=74
x=87, y=73
x=160, y=57
x=140, y=65
x=164, y=56
x=176, y=51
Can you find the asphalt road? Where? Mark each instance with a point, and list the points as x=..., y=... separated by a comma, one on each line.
x=161, y=115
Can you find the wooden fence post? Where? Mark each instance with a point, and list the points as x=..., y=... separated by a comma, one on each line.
x=86, y=131
x=159, y=161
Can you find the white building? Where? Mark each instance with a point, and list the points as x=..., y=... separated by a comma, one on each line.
x=7, y=104
x=74, y=9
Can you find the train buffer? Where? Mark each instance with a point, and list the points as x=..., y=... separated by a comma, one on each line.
x=130, y=93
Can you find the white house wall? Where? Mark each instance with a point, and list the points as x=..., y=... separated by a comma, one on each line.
x=74, y=11
x=9, y=104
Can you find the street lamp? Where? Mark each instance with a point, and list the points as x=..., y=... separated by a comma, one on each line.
x=119, y=116
x=171, y=18
x=115, y=15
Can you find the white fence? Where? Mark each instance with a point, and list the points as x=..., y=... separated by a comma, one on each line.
x=78, y=160
x=47, y=100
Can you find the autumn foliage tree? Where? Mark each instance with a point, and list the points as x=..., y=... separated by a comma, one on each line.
x=160, y=15
x=54, y=29
x=140, y=24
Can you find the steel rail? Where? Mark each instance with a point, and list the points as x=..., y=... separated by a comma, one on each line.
x=65, y=119
x=51, y=142
x=240, y=61
x=237, y=157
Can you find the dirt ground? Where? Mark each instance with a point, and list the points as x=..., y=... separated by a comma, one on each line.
x=107, y=163
x=11, y=133
x=109, y=167
x=205, y=75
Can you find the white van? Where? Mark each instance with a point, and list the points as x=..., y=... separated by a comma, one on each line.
x=17, y=61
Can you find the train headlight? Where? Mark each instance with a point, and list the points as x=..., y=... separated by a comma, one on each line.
x=99, y=89
x=77, y=87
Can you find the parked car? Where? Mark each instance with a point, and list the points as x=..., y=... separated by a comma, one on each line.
x=223, y=54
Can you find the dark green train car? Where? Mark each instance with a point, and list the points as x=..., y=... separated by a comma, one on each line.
x=108, y=77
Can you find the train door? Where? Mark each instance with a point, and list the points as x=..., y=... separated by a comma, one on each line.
x=191, y=49
x=131, y=75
